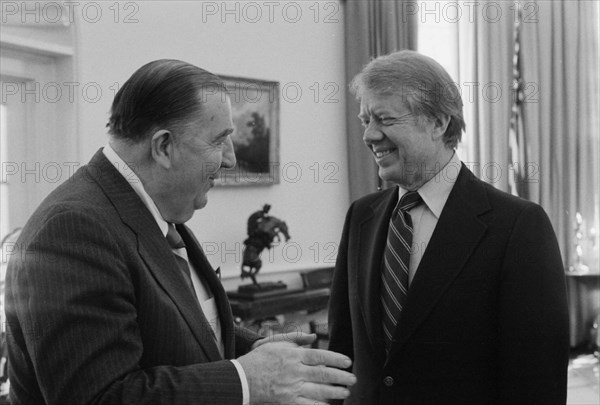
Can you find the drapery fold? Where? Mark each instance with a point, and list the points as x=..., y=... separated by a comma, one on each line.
x=485, y=70
x=560, y=66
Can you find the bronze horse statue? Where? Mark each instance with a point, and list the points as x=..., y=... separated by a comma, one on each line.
x=263, y=231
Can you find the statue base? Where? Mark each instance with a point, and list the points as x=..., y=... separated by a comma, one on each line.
x=260, y=290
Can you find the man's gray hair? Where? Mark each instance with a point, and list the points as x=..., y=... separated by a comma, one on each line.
x=423, y=84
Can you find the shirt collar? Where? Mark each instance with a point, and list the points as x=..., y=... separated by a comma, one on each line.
x=137, y=185
x=436, y=191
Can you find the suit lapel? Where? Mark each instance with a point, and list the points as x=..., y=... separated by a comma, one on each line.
x=153, y=249
x=202, y=265
x=457, y=234
x=372, y=238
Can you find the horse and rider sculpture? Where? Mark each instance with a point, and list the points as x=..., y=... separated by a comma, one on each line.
x=263, y=231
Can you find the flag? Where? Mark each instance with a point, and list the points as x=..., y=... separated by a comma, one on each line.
x=517, y=179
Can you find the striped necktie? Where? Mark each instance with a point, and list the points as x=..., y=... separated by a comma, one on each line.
x=394, y=277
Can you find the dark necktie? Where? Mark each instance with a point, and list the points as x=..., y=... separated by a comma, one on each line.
x=176, y=243
x=394, y=277
x=205, y=298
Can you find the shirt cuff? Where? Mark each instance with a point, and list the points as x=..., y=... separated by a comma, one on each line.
x=244, y=380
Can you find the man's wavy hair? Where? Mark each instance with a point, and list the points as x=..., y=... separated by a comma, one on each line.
x=426, y=88
x=163, y=94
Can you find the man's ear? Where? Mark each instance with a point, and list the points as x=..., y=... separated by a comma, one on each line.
x=162, y=148
x=440, y=125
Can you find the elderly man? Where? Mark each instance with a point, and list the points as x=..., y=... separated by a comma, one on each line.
x=446, y=290
x=110, y=298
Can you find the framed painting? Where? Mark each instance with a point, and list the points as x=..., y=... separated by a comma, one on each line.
x=255, y=109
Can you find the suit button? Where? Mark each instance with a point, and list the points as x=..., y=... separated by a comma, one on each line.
x=388, y=381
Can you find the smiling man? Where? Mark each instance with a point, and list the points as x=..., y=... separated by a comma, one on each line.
x=110, y=299
x=446, y=290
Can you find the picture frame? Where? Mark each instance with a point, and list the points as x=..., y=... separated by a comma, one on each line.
x=255, y=112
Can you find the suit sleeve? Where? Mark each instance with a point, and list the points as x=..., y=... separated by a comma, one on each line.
x=72, y=312
x=339, y=320
x=533, y=315
x=244, y=339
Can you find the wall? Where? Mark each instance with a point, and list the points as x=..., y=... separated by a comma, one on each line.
x=299, y=44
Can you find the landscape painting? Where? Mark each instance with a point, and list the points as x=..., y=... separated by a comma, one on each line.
x=255, y=109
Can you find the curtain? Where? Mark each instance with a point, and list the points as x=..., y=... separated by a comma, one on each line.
x=558, y=66
x=373, y=28
x=560, y=63
x=485, y=76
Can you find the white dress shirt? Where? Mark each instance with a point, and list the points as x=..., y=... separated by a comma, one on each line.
x=425, y=216
x=205, y=298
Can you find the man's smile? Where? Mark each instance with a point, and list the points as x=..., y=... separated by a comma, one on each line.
x=382, y=152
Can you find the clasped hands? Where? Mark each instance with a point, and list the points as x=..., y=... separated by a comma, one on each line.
x=279, y=370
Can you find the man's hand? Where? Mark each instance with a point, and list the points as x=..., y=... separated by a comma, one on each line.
x=299, y=338
x=282, y=372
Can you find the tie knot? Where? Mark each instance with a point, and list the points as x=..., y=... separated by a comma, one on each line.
x=409, y=200
x=174, y=238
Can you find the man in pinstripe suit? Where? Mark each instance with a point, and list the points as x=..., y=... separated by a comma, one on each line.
x=102, y=306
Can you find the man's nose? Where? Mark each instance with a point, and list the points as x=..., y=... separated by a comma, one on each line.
x=229, y=160
x=372, y=134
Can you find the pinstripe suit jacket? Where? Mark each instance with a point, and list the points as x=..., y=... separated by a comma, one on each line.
x=97, y=312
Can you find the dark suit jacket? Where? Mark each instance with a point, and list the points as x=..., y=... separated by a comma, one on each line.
x=486, y=316
x=98, y=311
